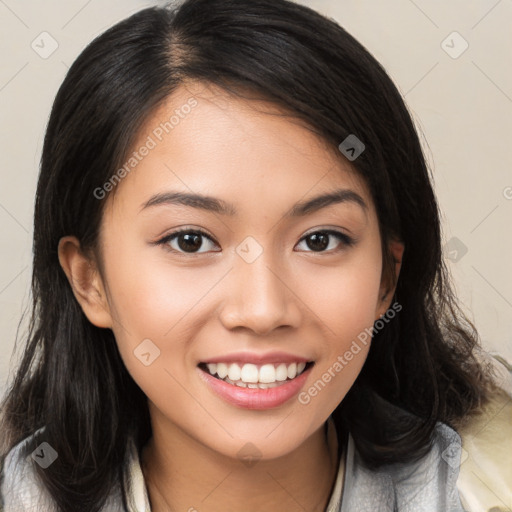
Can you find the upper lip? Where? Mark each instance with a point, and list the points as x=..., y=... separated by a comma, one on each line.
x=258, y=359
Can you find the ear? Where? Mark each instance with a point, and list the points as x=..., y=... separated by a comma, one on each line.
x=387, y=291
x=85, y=281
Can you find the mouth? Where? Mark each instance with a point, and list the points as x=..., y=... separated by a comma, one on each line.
x=251, y=380
x=254, y=376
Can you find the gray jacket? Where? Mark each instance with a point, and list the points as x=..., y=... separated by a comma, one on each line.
x=428, y=485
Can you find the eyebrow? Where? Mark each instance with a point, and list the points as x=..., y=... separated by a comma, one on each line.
x=213, y=204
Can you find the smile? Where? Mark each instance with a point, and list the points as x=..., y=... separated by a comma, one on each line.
x=255, y=376
x=251, y=380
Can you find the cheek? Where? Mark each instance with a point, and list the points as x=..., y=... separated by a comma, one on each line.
x=343, y=296
x=151, y=294
x=153, y=301
x=156, y=299
x=344, y=301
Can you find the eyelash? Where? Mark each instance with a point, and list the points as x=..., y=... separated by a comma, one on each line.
x=342, y=237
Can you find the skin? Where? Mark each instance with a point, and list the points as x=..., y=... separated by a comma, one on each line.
x=292, y=298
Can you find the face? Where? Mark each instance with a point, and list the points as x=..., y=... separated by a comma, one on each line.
x=260, y=287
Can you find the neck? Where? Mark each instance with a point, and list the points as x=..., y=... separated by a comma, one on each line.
x=182, y=474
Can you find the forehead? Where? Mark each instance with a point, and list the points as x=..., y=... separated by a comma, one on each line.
x=203, y=139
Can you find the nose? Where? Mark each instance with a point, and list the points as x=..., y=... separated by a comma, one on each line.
x=259, y=298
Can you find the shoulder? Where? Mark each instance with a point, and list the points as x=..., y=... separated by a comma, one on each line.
x=431, y=482
x=426, y=485
x=485, y=480
x=466, y=470
x=20, y=489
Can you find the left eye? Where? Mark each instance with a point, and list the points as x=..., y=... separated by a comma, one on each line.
x=319, y=241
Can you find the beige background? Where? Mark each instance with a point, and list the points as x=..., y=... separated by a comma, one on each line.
x=462, y=102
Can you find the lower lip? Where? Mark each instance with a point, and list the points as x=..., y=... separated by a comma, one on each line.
x=251, y=398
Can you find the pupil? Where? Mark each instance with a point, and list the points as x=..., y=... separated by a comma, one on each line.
x=196, y=244
x=319, y=241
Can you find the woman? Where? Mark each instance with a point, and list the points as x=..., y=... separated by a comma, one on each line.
x=239, y=293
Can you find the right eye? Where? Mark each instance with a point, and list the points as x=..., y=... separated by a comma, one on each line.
x=186, y=241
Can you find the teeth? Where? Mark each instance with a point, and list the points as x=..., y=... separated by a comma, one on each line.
x=252, y=376
x=244, y=385
x=281, y=372
x=222, y=370
x=267, y=373
x=249, y=373
x=234, y=372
